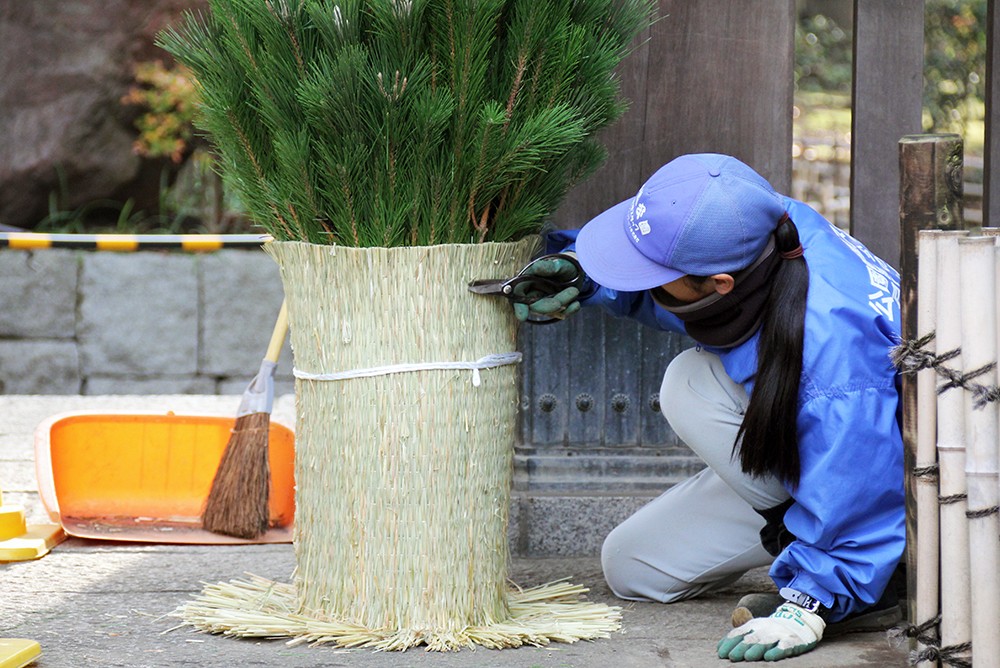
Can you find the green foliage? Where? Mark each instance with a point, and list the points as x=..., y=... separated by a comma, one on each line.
x=407, y=122
x=954, y=63
x=822, y=56
x=166, y=96
x=194, y=203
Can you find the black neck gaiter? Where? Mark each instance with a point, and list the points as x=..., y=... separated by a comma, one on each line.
x=726, y=321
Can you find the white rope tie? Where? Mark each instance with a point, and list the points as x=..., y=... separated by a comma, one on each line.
x=488, y=362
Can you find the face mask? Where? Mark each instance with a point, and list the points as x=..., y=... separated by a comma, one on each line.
x=726, y=321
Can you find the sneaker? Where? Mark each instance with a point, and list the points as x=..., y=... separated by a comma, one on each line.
x=753, y=606
x=882, y=618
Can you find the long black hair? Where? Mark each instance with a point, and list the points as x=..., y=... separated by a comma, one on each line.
x=769, y=443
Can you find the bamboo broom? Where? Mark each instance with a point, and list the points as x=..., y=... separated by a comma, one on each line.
x=238, y=502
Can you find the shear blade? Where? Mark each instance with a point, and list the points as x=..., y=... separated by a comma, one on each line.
x=487, y=287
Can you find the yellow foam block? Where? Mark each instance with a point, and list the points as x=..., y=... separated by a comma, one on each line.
x=15, y=653
x=11, y=521
x=35, y=542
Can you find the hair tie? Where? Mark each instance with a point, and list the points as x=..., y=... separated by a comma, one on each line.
x=792, y=254
x=795, y=252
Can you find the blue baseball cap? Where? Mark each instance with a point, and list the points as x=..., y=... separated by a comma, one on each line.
x=699, y=214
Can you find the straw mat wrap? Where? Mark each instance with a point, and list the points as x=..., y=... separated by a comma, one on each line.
x=402, y=473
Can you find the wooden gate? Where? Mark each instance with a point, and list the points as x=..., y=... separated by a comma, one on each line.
x=709, y=76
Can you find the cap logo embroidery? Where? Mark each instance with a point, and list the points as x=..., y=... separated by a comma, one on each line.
x=644, y=227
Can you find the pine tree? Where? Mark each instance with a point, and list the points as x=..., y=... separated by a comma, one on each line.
x=407, y=122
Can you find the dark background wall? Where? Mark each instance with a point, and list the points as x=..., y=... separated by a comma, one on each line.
x=709, y=76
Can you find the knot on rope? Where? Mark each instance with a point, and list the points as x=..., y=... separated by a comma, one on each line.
x=946, y=655
x=910, y=357
x=925, y=633
x=964, y=380
x=954, y=498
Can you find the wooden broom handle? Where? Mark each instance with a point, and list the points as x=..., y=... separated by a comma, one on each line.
x=278, y=337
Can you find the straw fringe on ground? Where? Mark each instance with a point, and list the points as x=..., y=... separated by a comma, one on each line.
x=259, y=608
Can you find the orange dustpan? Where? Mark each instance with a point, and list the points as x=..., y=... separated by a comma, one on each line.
x=141, y=477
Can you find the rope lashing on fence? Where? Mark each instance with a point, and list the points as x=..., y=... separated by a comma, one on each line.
x=909, y=357
x=926, y=634
x=946, y=655
x=926, y=474
x=981, y=513
x=191, y=243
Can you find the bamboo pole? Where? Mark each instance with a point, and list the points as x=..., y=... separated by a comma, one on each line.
x=979, y=349
x=926, y=485
x=955, y=584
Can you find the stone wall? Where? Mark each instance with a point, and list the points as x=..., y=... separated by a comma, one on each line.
x=104, y=323
x=95, y=323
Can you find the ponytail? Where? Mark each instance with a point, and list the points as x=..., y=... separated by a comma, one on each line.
x=769, y=444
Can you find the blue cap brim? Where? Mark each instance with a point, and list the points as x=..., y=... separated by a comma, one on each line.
x=609, y=258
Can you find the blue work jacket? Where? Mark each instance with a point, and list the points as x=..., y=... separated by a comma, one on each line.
x=848, y=517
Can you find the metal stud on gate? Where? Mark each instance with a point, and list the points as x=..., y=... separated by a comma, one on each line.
x=620, y=403
x=547, y=402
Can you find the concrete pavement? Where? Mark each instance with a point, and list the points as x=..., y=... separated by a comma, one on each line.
x=102, y=603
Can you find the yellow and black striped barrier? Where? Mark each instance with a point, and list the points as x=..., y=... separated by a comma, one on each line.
x=190, y=243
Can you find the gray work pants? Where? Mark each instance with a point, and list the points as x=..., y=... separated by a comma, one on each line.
x=702, y=533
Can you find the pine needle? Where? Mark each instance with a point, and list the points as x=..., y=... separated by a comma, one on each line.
x=416, y=122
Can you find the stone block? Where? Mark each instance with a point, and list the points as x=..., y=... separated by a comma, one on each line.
x=38, y=294
x=622, y=472
x=138, y=314
x=241, y=295
x=39, y=367
x=103, y=385
x=571, y=526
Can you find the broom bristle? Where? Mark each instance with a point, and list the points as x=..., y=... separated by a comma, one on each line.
x=238, y=503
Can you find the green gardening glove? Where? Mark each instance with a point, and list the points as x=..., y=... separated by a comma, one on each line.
x=789, y=631
x=537, y=297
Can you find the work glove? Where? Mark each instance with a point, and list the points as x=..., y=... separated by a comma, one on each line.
x=789, y=631
x=560, y=305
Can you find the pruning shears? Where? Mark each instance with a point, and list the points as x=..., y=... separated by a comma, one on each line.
x=527, y=287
